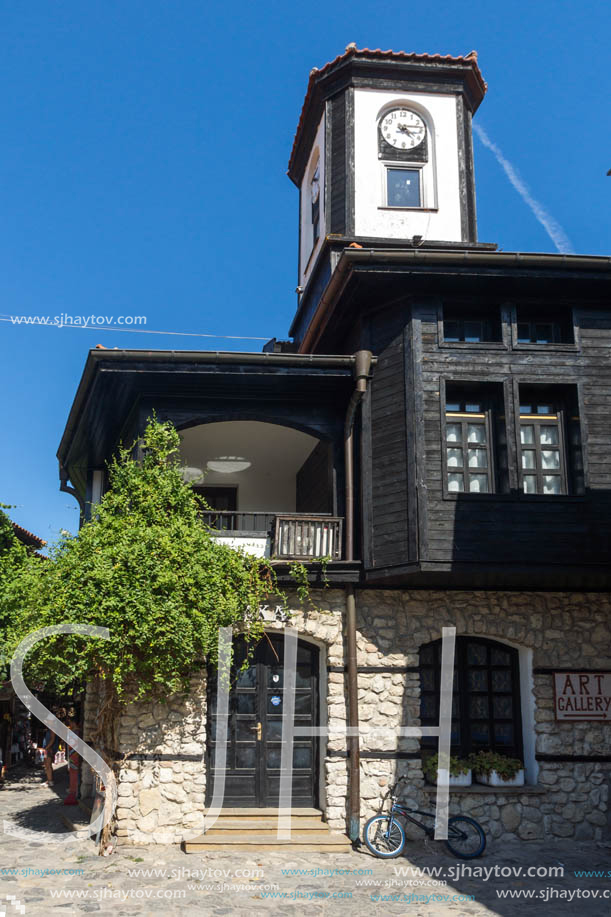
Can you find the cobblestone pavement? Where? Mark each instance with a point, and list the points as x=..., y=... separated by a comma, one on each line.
x=163, y=880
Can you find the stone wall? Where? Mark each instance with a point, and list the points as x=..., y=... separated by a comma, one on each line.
x=162, y=792
x=563, y=630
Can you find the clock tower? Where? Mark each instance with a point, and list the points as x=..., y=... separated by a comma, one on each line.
x=383, y=155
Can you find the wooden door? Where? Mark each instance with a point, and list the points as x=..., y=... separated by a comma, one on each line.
x=254, y=743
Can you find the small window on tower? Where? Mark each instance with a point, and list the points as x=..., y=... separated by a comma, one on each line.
x=403, y=188
x=315, y=198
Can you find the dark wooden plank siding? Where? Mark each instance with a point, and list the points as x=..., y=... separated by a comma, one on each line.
x=388, y=512
x=510, y=529
x=337, y=185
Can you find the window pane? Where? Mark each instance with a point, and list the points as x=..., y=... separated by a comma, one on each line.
x=477, y=458
x=455, y=458
x=478, y=707
x=530, y=484
x=523, y=333
x=473, y=332
x=453, y=433
x=500, y=657
x=244, y=730
x=526, y=409
x=273, y=730
x=551, y=484
x=428, y=707
x=503, y=733
x=246, y=703
x=544, y=333
x=451, y=331
x=245, y=756
x=477, y=654
x=476, y=433
x=403, y=187
x=455, y=483
x=478, y=483
x=480, y=733
x=478, y=680
x=545, y=409
x=501, y=680
x=527, y=435
x=548, y=436
x=302, y=756
x=502, y=706
x=247, y=678
x=473, y=408
x=528, y=459
x=550, y=458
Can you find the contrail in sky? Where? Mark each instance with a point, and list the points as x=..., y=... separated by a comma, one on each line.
x=550, y=225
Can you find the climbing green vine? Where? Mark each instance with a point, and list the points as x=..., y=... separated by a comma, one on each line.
x=147, y=568
x=301, y=575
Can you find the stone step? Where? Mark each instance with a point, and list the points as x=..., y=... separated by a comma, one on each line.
x=259, y=830
x=313, y=842
x=264, y=824
x=268, y=812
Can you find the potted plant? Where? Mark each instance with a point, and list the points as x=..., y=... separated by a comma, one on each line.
x=460, y=771
x=493, y=769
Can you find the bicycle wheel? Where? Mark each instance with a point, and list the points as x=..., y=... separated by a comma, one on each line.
x=383, y=838
x=466, y=838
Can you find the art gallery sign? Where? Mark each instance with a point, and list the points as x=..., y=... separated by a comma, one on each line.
x=582, y=695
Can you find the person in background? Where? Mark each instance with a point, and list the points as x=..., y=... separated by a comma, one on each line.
x=74, y=760
x=50, y=744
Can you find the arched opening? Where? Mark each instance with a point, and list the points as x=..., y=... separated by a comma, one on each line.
x=486, y=706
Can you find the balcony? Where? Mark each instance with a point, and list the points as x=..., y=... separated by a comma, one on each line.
x=279, y=536
x=271, y=489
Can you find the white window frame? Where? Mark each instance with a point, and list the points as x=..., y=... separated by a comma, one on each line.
x=406, y=167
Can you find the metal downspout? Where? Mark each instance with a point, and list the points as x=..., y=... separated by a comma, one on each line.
x=362, y=369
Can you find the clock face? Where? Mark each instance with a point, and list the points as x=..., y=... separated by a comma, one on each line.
x=403, y=129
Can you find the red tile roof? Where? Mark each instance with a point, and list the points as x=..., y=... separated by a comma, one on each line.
x=27, y=538
x=378, y=54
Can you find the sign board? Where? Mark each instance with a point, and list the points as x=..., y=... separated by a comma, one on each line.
x=582, y=695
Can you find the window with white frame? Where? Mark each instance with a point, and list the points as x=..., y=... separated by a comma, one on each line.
x=405, y=154
x=551, y=461
x=474, y=447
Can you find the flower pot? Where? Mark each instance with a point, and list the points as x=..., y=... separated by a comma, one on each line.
x=460, y=780
x=493, y=779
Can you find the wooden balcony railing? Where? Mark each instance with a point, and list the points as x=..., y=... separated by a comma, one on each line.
x=306, y=537
x=245, y=523
x=292, y=536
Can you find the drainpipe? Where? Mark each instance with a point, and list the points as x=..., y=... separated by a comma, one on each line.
x=362, y=369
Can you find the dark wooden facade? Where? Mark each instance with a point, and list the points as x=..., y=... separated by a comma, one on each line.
x=413, y=531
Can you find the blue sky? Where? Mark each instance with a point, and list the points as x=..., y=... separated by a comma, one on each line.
x=143, y=159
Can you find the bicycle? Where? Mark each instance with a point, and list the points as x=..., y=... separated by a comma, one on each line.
x=385, y=835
